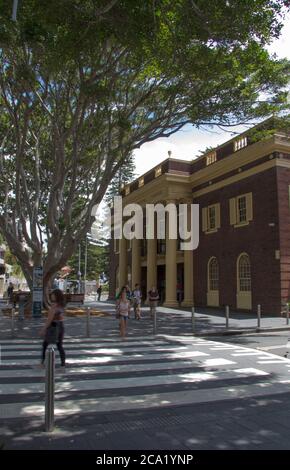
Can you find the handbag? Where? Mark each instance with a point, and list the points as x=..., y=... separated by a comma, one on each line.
x=52, y=333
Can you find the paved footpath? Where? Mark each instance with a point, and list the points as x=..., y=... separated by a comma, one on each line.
x=162, y=392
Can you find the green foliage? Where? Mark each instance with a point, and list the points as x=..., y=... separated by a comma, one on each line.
x=97, y=261
x=124, y=176
x=83, y=83
x=10, y=259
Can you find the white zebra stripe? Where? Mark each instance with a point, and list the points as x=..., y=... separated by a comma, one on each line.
x=135, y=402
x=128, y=382
x=106, y=359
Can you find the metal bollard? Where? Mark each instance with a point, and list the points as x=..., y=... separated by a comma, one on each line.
x=154, y=321
x=227, y=316
x=12, y=321
x=49, y=389
x=88, y=322
x=192, y=320
x=287, y=313
x=259, y=316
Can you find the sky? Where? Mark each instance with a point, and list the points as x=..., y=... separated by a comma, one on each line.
x=189, y=142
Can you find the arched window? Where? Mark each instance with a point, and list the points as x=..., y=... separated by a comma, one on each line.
x=244, y=273
x=213, y=274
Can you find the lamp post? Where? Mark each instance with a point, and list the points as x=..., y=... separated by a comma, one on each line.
x=79, y=271
x=89, y=241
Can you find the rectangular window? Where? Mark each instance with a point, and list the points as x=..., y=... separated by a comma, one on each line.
x=242, y=209
x=240, y=143
x=158, y=171
x=210, y=158
x=211, y=218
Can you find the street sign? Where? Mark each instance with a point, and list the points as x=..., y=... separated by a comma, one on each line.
x=37, y=294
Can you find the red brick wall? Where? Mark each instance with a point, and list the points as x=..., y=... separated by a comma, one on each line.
x=257, y=239
x=283, y=180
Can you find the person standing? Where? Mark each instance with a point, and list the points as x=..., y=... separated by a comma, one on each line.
x=123, y=312
x=129, y=293
x=179, y=291
x=10, y=293
x=137, y=298
x=99, y=292
x=55, y=319
x=153, y=297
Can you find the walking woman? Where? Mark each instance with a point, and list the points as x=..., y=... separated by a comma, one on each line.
x=153, y=297
x=137, y=299
x=53, y=330
x=123, y=312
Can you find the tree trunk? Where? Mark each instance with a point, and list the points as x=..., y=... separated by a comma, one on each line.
x=47, y=286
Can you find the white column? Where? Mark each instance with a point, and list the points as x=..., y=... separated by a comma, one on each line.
x=170, y=268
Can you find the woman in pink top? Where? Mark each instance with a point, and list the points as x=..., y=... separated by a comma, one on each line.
x=123, y=312
x=55, y=318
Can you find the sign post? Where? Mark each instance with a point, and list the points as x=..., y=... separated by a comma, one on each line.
x=37, y=294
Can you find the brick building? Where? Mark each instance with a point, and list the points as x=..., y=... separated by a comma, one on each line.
x=243, y=258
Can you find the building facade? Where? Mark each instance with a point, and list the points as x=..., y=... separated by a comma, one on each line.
x=243, y=258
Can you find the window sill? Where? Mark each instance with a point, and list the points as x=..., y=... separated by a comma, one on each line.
x=214, y=230
x=241, y=224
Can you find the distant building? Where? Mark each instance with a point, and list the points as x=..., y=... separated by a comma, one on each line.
x=243, y=258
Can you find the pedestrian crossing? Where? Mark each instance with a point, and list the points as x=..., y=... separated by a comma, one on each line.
x=109, y=375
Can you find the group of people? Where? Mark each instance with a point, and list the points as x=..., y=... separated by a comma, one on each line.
x=126, y=299
x=54, y=326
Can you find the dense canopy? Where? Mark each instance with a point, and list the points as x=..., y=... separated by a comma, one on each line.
x=85, y=82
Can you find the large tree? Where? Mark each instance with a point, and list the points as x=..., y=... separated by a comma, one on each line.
x=124, y=175
x=85, y=82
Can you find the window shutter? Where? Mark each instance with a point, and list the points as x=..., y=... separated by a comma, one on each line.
x=218, y=216
x=233, y=211
x=204, y=219
x=249, y=202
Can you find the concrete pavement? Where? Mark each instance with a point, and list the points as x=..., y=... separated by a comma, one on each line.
x=172, y=391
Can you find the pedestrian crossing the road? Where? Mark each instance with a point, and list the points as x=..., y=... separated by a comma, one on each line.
x=108, y=375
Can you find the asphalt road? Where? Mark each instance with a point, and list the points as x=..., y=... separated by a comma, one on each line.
x=272, y=342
